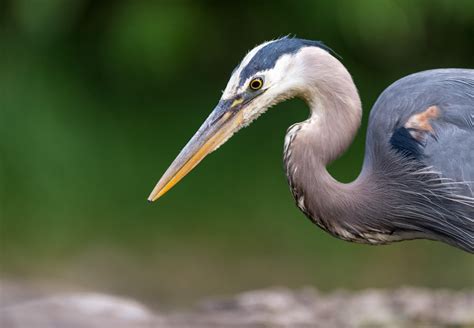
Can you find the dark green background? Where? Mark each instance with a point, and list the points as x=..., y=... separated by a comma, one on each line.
x=97, y=98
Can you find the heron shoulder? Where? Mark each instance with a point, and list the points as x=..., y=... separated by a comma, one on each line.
x=429, y=116
x=450, y=90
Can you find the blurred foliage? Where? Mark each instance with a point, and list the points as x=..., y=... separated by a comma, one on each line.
x=97, y=97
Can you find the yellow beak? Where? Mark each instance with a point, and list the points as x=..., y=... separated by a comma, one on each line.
x=217, y=128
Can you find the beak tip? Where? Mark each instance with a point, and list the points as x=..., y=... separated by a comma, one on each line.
x=152, y=197
x=155, y=194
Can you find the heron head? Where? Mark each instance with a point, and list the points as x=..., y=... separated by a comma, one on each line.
x=268, y=74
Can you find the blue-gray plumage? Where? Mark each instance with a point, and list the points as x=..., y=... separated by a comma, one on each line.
x=449, y=147
x=417, y=179
x=439, y=202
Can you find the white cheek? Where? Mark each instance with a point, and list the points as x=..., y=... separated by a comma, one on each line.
x=257, y=107
x=278, y=91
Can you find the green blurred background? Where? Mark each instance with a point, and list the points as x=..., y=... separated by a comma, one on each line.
x=98, y=97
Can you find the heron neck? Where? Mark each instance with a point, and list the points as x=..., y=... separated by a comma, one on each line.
x=311, y=145
x=336, y=110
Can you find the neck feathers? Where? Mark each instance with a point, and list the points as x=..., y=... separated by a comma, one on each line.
x=334, y=102
x=380, y=206
x=311, y=145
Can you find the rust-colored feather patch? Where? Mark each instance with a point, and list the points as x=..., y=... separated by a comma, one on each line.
x=419, y=124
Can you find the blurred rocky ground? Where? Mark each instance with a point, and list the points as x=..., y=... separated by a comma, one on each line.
x=26, y=306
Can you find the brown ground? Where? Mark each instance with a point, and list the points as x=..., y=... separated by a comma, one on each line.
x=24, y=306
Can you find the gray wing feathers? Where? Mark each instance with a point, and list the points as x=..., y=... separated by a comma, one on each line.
x=450, y=150
x=434, y=175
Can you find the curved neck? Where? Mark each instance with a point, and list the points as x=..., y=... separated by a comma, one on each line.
x=335, y=106
x=311, y=145
x=393, y=197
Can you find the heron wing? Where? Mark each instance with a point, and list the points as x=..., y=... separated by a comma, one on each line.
x=450, y=150
x=427, y=117
x=445, y=140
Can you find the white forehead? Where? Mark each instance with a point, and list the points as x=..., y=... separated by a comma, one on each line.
x=234, y=81
x=274, y=60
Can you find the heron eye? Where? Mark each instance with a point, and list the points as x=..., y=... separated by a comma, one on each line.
x=256, y=83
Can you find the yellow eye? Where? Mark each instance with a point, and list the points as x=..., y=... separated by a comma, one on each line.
x=256, y=83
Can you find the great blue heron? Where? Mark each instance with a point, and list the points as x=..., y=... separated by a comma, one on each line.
x=417, y=180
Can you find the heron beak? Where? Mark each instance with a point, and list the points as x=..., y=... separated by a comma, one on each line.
x=218, y=127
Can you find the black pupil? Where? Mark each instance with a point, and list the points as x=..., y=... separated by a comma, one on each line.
x=256, y=84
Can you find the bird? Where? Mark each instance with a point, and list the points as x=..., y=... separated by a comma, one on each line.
x=417, y=178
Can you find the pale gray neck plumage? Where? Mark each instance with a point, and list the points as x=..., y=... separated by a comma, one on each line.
x=311, y=145
x=393, y=197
